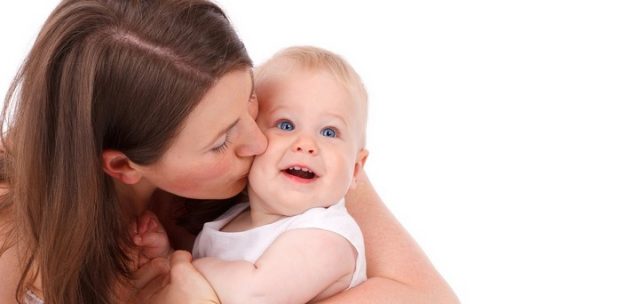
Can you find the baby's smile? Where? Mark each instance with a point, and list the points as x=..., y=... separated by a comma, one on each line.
x=305, y=173
x=300, y=173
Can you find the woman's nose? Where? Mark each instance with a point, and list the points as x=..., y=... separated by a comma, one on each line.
x=254, y=142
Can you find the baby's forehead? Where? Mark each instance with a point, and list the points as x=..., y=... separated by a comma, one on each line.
x=350, y=95
x=279, y=71
x=278, y=68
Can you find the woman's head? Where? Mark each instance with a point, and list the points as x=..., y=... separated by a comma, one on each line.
x=120, y=86
x=167, y=85
x=211, y=155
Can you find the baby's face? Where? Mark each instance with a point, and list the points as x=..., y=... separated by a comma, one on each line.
x=313, y=126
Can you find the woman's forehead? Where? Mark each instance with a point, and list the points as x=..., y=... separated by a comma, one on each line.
x=220, y=107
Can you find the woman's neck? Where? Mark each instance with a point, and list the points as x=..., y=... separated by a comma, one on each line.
x=136, y=196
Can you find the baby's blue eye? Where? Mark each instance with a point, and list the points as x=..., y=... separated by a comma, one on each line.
x=285, y=125
x=328, y=132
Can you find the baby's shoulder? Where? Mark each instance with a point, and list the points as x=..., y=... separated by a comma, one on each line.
x=334, y=218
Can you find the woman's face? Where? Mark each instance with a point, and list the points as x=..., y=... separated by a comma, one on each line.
x=211, y=156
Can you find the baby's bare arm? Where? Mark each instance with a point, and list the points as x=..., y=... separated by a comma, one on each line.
x=297, y=267
x=398, y=270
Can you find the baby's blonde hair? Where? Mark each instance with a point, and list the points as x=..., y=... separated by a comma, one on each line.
x=315, y=58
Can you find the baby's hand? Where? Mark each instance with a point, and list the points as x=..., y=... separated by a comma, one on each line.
x=151, y=238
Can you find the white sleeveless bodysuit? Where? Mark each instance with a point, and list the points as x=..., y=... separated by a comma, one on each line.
x=250, y=244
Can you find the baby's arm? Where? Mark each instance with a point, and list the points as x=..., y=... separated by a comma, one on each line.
x=151, y=237
x=296, y=268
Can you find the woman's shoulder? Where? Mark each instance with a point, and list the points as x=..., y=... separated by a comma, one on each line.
x=9, y=261
x=9, y=266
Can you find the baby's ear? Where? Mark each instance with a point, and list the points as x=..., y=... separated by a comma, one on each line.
x=120, y=167
x=360, y=160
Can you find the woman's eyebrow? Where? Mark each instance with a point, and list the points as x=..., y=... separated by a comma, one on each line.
x=253, y=84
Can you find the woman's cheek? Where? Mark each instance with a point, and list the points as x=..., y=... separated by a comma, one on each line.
x=194, y=179
x=218, y=169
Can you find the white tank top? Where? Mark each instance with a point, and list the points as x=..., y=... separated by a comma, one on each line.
x=250, y=244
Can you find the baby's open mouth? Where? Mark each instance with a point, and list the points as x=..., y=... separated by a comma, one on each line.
x=301, y=172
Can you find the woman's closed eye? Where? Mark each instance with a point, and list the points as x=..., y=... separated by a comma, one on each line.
x=222, y=144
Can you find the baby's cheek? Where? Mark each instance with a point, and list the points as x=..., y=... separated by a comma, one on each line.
x=344, y=173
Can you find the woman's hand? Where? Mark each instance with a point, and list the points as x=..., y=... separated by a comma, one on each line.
x=145, y=282
x=151, y=238
x=186, y=284
x=168, y=208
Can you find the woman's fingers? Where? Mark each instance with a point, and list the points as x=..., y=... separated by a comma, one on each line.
x=148, y=221
x=133, y=228
x=146, y=282
x=181, y=256
x=180, y=264
x=150, y=290
x=152, y=245
x=152, y=240
x=158, y=267
x=187, y=285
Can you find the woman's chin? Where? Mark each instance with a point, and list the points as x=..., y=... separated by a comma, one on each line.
x=231, y=190
x=213, y=192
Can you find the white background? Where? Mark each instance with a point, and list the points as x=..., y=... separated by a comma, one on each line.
x=505, y=135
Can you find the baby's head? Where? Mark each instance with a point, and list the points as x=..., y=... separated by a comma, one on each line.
x=313, y=110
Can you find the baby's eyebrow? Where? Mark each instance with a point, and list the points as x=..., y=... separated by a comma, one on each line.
x=338, y=117
x=278, y=110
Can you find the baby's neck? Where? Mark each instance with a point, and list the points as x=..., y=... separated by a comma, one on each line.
x=249, y=219
x=255, y=216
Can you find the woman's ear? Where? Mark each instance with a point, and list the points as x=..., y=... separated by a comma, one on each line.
x=360, y=160
x=120, y=167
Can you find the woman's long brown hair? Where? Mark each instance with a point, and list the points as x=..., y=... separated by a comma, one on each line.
x=102, y=74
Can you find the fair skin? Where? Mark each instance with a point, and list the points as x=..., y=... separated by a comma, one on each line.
x=313, y=125
x=315, y=130
x=210, y=157
x=212, y=151
x=391, y=277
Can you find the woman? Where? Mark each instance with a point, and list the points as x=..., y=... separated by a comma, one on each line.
x=119, y=102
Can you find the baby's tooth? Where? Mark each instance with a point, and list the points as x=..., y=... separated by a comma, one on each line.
x=296, y=168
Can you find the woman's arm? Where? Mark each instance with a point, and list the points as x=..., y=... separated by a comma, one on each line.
x=9, y=263
x=398, y=270
x=10, y=275
x=186, y=284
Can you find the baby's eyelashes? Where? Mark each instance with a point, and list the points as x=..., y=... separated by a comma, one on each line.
x=285, y=125
x=329, y=132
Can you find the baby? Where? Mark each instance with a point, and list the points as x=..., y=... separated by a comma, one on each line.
x=294, y=241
